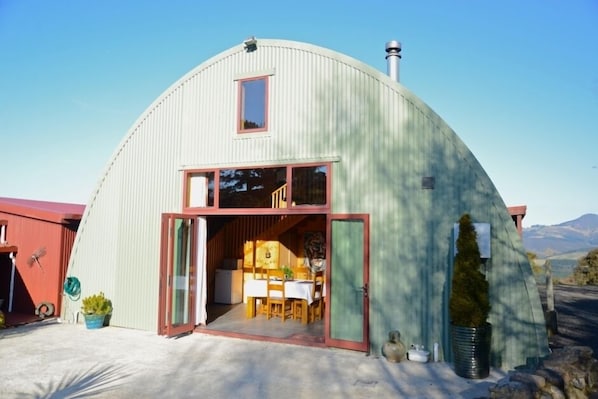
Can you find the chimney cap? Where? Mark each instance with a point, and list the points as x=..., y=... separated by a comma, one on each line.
x=393, y=45
x=393, y=56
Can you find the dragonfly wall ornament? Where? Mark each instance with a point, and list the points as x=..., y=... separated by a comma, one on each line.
x=34, y=258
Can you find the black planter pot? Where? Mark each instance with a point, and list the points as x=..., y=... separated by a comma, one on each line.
x=471, y=350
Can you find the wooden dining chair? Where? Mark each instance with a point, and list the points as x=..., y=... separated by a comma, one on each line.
x=316, y=308
x=277, y=304
x=263, y=308
x=301, y=273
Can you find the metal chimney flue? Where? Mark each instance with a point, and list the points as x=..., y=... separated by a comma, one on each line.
x=393, y=56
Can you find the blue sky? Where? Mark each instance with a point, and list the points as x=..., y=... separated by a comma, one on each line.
x=516, y=80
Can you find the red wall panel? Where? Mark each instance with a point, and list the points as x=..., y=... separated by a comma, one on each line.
x=37, y=282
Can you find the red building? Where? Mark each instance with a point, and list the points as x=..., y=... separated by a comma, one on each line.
x=517, y=214
x=36, y=238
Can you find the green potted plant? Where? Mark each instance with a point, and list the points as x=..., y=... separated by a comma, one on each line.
x=288, y=272
x=469, y=306
x=95, y=308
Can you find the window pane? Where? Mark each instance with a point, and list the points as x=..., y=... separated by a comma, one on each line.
x=309, y=185
x=253, y=111
x=200, y=189
x=250, y=188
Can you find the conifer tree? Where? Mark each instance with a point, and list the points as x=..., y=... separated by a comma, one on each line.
x=469, y=303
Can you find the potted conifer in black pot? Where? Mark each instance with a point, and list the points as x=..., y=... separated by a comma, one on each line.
x=469, y=306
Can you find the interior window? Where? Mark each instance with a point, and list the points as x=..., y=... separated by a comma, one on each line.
x=253, y=104
x=200, y=189
x=309, y=185
x=264, y=187
x=251, y=188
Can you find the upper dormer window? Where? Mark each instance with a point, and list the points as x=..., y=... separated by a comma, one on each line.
x=253, y=105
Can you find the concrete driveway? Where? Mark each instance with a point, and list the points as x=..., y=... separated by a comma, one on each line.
x=52, y=360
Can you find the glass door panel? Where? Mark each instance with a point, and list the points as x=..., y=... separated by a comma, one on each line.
x=177, y=302
x=347, y=323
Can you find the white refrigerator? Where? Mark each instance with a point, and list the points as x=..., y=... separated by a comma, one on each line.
x=229, y=286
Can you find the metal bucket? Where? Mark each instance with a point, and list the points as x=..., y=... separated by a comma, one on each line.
x=93, y=321
x=471, y=350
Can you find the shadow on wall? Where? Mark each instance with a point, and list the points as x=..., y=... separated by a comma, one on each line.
x=22, y=301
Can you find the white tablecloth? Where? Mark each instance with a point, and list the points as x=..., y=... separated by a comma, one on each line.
x=299, y=289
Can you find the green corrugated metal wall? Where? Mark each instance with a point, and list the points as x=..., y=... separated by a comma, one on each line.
x=324, y=106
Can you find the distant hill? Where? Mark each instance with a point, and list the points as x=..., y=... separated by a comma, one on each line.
x=568, y=240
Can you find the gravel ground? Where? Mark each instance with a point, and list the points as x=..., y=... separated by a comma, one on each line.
x=48, y=360
x=51, y=360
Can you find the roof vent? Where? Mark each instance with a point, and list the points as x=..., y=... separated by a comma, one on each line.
x=393, y=50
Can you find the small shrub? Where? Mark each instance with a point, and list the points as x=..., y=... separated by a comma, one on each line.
x=288, y=272
x=586, y=271
x=96, y=304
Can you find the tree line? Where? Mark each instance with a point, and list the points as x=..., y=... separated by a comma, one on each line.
x=584, y=273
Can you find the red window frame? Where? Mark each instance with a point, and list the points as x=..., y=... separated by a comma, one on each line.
x=289, y=209
x=241, y=105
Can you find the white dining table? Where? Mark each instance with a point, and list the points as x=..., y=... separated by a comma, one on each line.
x=295, y=289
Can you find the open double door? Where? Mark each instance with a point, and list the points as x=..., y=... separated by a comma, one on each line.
x=183, y=289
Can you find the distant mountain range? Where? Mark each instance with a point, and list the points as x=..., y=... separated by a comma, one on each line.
x=570, y=240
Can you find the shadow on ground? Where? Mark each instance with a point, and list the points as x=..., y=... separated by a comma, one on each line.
x=577, y=315
x=80, y=384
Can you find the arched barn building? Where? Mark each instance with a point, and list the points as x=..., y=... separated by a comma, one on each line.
x=275, y=153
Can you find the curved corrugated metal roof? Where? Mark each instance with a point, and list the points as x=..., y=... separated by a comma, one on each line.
x=172, y=91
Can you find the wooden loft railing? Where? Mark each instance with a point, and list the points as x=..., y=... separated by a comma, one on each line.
x=279, y=197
